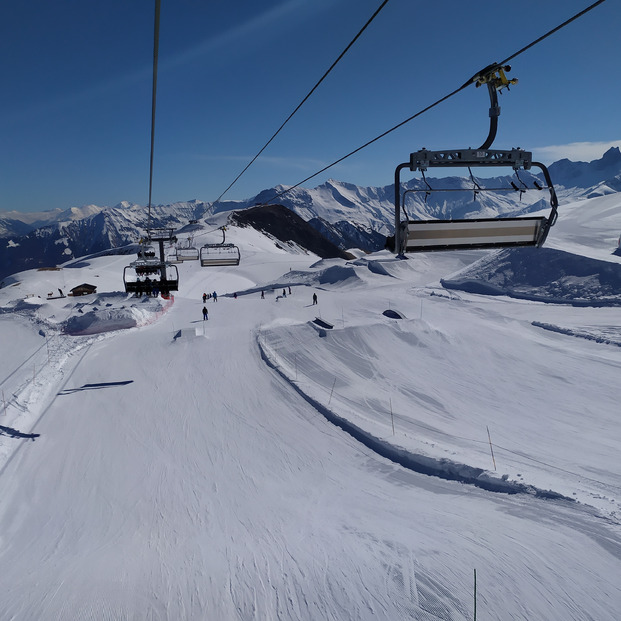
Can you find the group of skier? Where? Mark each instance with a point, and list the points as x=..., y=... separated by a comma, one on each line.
x=214, y=296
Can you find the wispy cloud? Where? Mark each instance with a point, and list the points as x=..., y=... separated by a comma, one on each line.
x=300, y=163
x=248, y=30
x=575, y=151
x=242, y=31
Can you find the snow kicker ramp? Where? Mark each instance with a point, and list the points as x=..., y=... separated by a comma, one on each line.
x=543, y=275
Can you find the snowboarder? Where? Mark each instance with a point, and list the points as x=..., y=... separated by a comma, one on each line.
x=314, y=298
x=204, y=297
x=205, y=313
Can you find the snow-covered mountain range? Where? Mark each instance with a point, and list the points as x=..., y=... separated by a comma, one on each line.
x=348, y=215
x=352, y=456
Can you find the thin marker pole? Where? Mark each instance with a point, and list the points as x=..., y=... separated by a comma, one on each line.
x=475, y=595
x=333, y=385
x=490, y=446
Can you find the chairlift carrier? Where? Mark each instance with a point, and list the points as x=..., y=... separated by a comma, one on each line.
x=149, y=266
x=222, y=254
x=428, y=235
x=189, y=253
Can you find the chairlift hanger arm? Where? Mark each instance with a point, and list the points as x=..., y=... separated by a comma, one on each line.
x=495, y=78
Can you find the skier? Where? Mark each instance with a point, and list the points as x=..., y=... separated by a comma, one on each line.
x=205, y=313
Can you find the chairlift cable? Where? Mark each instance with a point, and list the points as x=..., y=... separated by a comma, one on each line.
x=156, y=39
x=551, y=32
x=370, y=142
x=323, y=77
x=441, y=100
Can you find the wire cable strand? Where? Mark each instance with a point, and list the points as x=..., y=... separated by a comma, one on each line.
x=323, y=77
x=156, y=39
x=551, y=32
x=439, y=101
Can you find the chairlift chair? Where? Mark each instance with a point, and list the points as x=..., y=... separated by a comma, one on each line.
x=426, y=235
x=141, y=277
x=222, y=254
x=188, y=252
x=161, y=274
x=213, y=255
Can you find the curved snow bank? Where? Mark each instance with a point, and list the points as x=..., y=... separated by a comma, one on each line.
x=378, y=267
x=436, y=397
x=96, y=322
x=375, y=266
x=440, y=467
x=121, y=317
x=589, y=335
x=334, y=275
x=543, y=275
x=337, y=275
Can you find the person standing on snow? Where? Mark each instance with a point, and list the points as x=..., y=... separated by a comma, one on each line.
x=204, y=297
x=314, y=298
x=205, y=313
x=215, y=296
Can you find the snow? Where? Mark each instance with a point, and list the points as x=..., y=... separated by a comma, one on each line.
x=259, y=465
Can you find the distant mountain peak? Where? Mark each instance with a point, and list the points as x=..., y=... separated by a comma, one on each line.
x=587, y=174
x=612, y=156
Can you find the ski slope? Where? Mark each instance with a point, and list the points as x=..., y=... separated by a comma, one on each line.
x=260, y=466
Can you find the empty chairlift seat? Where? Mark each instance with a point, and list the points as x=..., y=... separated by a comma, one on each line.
x=213, y=255
x=427, y=235
x=187, y=254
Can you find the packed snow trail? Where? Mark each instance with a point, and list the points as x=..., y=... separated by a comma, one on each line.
x=207, y=488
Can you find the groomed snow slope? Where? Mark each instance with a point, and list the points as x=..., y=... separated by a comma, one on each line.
x=246, y=467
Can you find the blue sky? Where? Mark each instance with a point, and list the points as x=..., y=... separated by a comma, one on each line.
x=76, y=108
